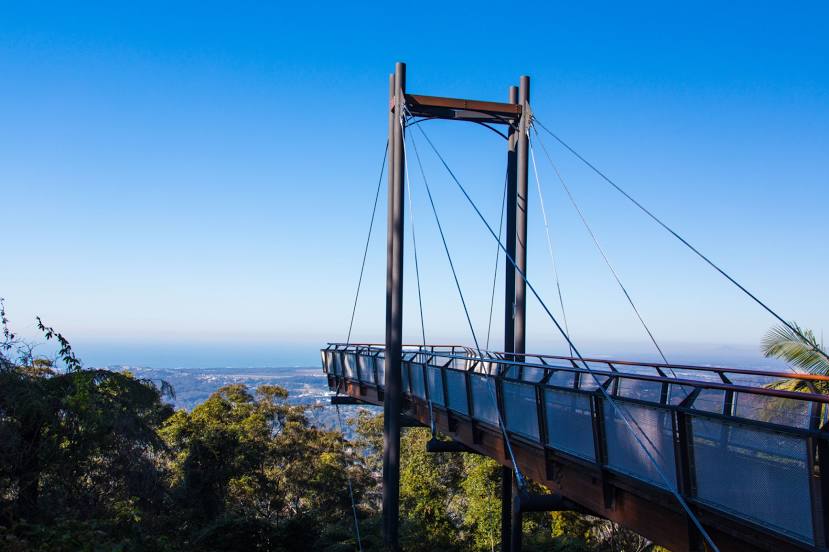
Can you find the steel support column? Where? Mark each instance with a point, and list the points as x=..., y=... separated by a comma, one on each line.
x=509, y=309
x=520, y=309
x=394, y=318
x=521, y=197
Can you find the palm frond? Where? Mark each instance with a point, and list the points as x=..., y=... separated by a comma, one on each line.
x=784, y=343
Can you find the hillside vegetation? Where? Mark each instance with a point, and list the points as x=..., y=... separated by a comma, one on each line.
x=97, y=460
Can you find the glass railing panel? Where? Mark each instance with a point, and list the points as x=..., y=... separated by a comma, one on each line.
x=532, y=374
x=350, y=365
x=484, y=405
x=456, y=390
x=435, y=385
x=512, y=371
x=710, y=400
x=587, y=381
x=416, y=379
x=774, y=410
x=404, y=369
x=678, y=393
x=562, y=378
x=751, y=380
x=642, y=390
x=521, y=409
x=381, y=370
x=569, y=422
x=654, y=428
x=754, y=473
x=366, y=365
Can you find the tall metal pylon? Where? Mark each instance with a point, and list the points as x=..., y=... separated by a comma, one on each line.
x=515, y=115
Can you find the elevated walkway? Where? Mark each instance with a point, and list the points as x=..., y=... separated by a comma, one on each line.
x=753, y=462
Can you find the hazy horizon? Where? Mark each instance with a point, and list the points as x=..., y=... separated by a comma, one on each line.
x=209, y=355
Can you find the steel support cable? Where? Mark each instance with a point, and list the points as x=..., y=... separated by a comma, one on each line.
x=621, y=411
x=417, y=274
x=598, y=247
x=549, y=243
x=612, y=271
x=685, y=242
x=497, y=259
x=518, y=476
x=350, y=486
x=348, y=339
x=368, y=241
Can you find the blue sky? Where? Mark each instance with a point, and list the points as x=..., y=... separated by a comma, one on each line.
x=191, y=183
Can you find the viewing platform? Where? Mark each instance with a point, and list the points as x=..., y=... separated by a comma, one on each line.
x=750, y=460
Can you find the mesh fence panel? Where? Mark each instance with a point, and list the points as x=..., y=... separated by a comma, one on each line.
x=350, y=367
x=416, y=378
x=366, y=364
x=710, y=400
x=521, y=409
x=654, y=428
x=569, y=422
x=435, y=385
x=381, y=371
x=484, y=406
x=404, y=369
x=754, y=473
x=562, y=378
x=640, y=389
x=456, y=390
x=774, y=410
x=532, y=373
x=587, y=381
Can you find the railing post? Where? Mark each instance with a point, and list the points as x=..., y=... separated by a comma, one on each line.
x=817, y=448
x=394, y=319
x=600, y=442
x=685, y=471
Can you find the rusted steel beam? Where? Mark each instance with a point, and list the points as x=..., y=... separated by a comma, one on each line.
x=469, y=110
x=436, y=445
x=345, y=400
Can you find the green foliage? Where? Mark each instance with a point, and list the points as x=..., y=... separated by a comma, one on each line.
x=804, y=352
x=95, y=460
x=482, y=512
x=783, y=343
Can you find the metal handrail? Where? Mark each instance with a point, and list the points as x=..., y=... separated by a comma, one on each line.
x=501, y=356
x=720, y=386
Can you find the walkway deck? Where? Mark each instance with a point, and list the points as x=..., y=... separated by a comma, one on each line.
x=752, y=462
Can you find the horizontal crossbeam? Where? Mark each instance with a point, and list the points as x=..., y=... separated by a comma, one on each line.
x=435, y=107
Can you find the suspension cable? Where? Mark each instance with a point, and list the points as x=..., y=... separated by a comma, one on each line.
x=685, y=242
x=368, y=241
x=598, y=246
x=518, y=476
x=550, y=245
x=348, y=478
x=348, y=341
x=446, y=249
x=432, y=424
x=620, y=410
x=497, y=258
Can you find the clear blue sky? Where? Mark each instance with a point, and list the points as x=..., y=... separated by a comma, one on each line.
x=190, y=184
